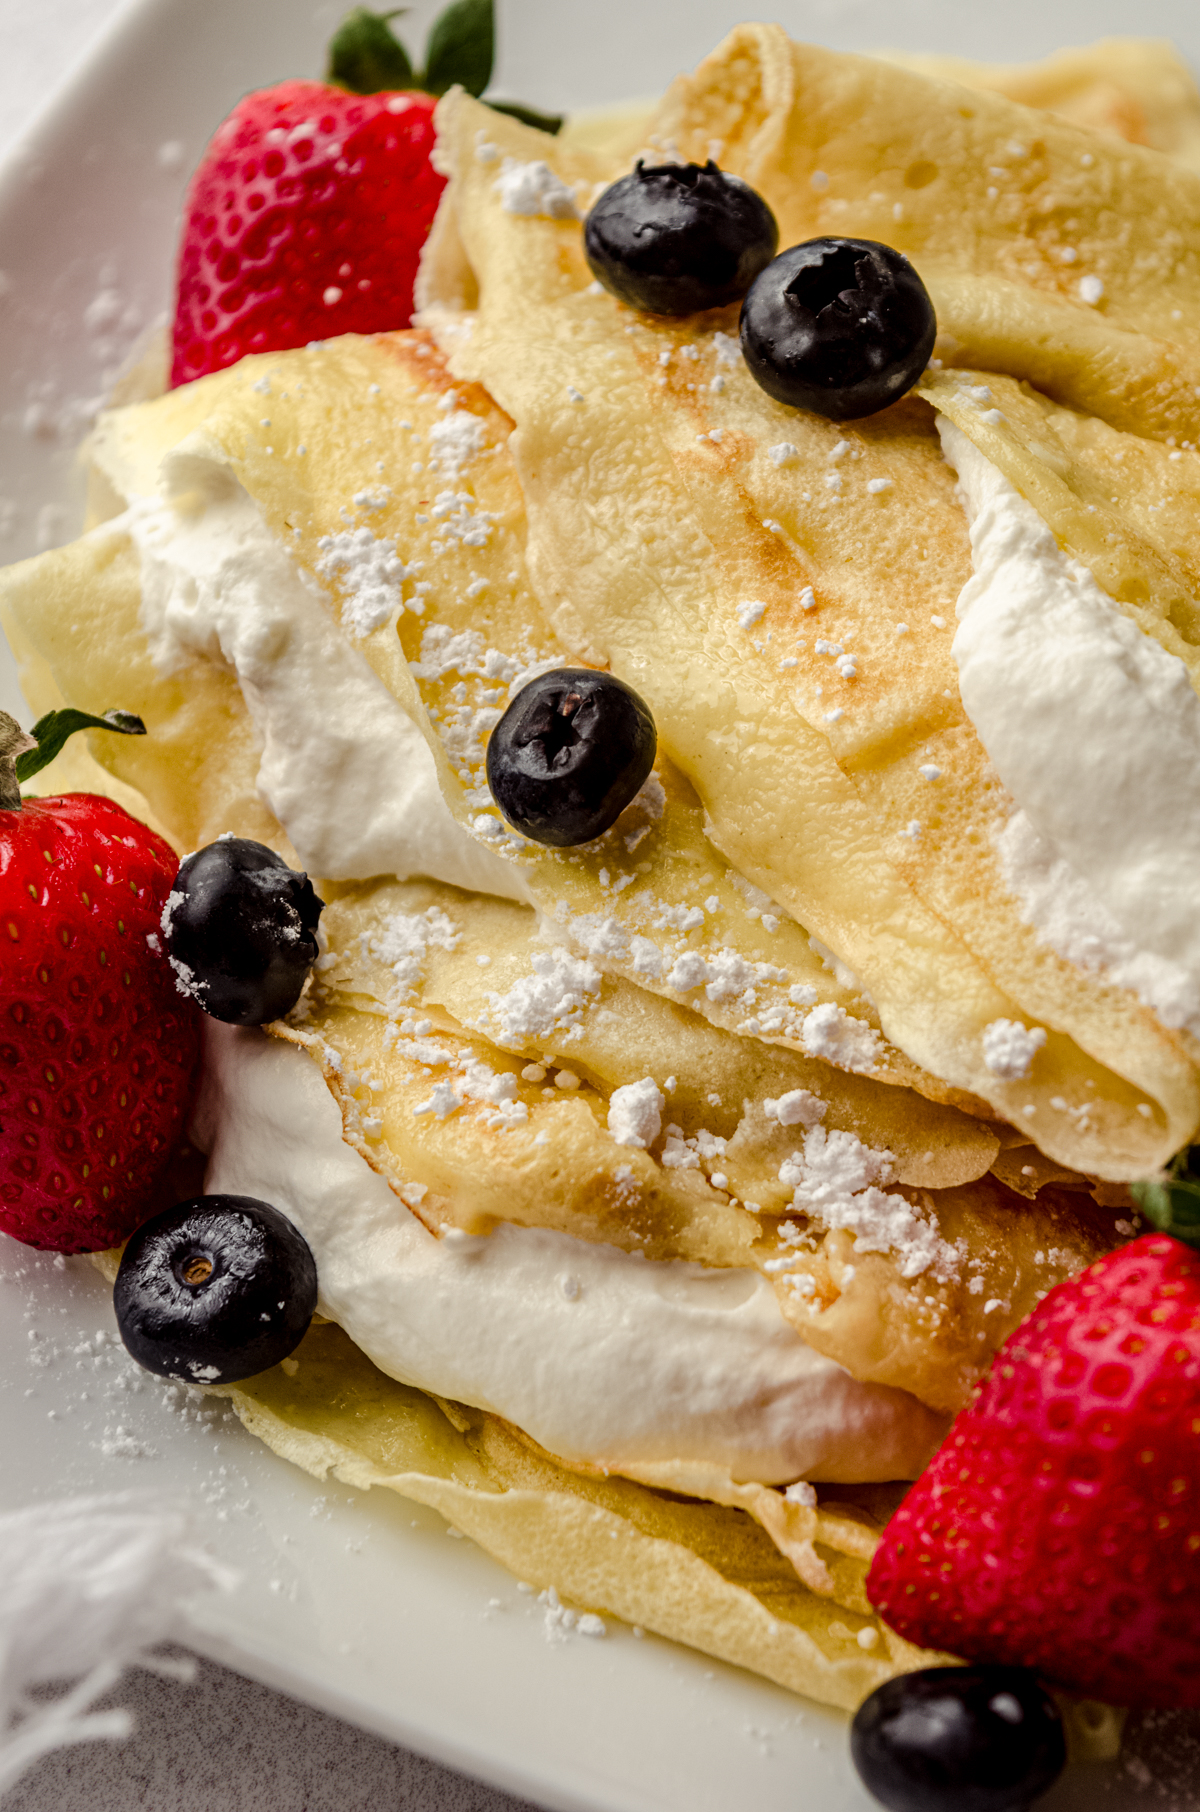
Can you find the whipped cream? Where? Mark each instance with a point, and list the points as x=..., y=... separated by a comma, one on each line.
x=1092, y=726
x=344, y=768
x=1066, y=915
x=599, y=1354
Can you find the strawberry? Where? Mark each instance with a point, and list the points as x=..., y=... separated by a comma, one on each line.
x=305, y=219
x=97, y=1049
x=1058, y=1527
x=308, y=212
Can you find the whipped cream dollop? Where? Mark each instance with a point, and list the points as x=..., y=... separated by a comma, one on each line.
x=344, y=768
x=1067, y=916
x=1092, y=726
x=597, y=1353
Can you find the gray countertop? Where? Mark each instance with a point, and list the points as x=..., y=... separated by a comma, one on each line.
x=226, y=1744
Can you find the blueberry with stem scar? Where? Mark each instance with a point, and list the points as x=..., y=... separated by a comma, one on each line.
x=215, y=1289
x=843, y=327
x=569, y=754
x=677, y=238
x=240, y=929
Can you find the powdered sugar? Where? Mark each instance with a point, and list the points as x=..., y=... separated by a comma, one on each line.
x=797, y=1108
x=830, y=1032
x=700, y=1152
x=532, y=189
x=454, y=441
x=444, y=651
x=635, y=1113
x=460, y=521
x=754, y=991
x=561, y=1622
x=478, y=1082
x=836, y=1181
x=549, y=1000
x=369, y=574
x=1009, y=1048
x=403, y=942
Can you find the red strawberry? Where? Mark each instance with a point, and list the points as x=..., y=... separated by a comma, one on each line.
x=305, y=219
x=1058, y=1527
x=97, y=1050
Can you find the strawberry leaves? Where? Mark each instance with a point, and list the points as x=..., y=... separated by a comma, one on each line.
x=366, y=57
x=461, y=48
x=24, y=755
x=1172, y=1202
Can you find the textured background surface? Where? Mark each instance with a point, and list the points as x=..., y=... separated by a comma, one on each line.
x=224, y=1744
x=229, y=1745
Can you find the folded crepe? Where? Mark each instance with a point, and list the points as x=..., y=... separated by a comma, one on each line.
x=807, y=945
x=618, y=928
x=675, y=495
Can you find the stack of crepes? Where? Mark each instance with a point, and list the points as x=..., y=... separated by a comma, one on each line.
x=648, y=1178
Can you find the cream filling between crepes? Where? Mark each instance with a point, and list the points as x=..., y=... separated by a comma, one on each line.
x=344, y=768
x=601, y=1355
x=1094, y=730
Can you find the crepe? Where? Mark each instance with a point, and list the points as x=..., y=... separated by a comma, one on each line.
x=852, y=146
x=1137, y=89
x=539, y=477
x=924, y=1314
x=646, y=538
x=928, y=1334
x=698, y=1573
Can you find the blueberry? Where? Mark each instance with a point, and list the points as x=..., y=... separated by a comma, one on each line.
x=679, y=237
x=839, y=326
x=569, y=754
x=215, y=1289
x=240, y=929
x=958, y=1739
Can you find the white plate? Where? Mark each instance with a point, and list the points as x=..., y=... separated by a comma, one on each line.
x=368, y=1609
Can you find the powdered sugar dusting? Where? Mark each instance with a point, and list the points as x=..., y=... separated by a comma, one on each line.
x=461, y=520
x=402, y=945
x=830, y=1032
x=799, y=1107
x=370, y=576
x=635, y=1113
x=836, y=1182
x=1009, y=1048
x=532, y=189
x=478, y=1082
x=454, y=441
x=550, y=1000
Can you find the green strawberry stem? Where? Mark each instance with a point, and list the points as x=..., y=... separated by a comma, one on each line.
x=366, y=57
x=1172, y=1202
x=23, y=755
x=529, y=116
